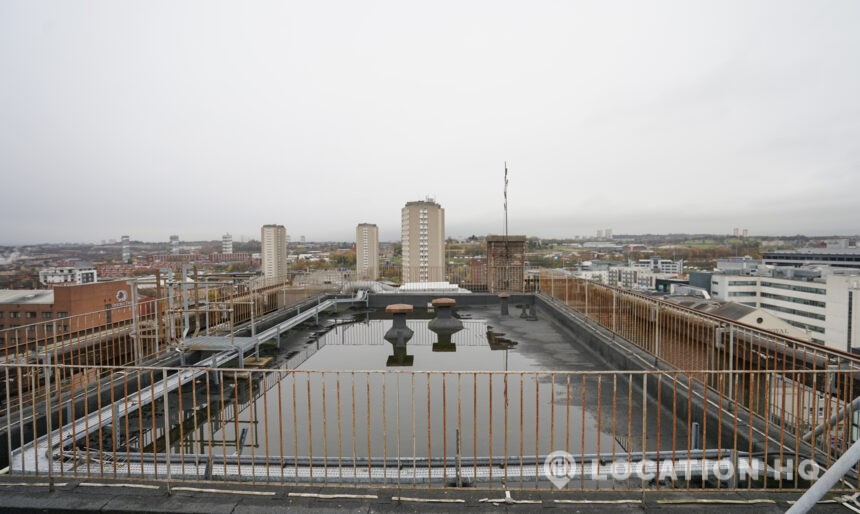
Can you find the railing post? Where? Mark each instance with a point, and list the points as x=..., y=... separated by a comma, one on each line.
x=135, y=334
x=206, y=289
x=171, y=321
x=586, y=299
x=657, y=329
x=731, y=360
x=166, y=422
x=48, y=423
x=566, y=289
x=186, y=315
x=614, y=301
x=253, y=323
x=157, y=304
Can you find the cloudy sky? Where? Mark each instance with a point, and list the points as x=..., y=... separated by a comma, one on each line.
x=200, y=118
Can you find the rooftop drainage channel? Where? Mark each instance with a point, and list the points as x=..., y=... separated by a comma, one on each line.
x=34, y=455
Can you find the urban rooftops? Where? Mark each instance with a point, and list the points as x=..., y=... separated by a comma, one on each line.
x=31, y=296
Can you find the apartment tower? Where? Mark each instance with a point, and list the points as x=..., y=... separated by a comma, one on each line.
x=273, y=239
x=422, y=236
x=226, y=243
x=126, y=249
x=367, y=251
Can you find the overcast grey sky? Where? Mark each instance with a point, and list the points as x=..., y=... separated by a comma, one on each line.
x=199, y=118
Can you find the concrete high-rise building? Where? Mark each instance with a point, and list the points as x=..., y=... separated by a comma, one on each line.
x=367, y=251
x=174, y=244
x=126, y=249
x=226, y=243
x=422, y=235
x=608, y=233
x=599, y=234
x=273, y=239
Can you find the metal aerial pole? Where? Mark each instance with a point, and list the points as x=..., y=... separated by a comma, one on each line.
x=507, y=250
x=506, y=205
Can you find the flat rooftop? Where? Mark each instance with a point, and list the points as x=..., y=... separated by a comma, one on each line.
x=27, y=296
x=815, y=251
x=24, y=494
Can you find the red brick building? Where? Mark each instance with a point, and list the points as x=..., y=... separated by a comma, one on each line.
x=69, y=308
x=506, y=263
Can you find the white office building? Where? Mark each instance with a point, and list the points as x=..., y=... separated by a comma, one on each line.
x=821, y=300
x=633, y=277
x=659, y=265
x=68, y=275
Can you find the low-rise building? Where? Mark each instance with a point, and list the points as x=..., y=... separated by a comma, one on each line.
x=848, y=257
x=659, y=265
x=68, y=275
x=759, y=318
x=745, y=265
x=104, y=302
x=632, y=277
x=822, y=301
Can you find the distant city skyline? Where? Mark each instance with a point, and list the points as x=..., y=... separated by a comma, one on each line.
x=647, y=117
x=217, y=241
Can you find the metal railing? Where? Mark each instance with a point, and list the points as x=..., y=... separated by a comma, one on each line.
x=770, y=409
x=531, y=430
x=474, y=275
x=682, y=338
x=685, y=338
x=145, y=329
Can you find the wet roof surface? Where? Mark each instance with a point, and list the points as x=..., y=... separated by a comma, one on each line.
x=33, y=296
x=72, y=495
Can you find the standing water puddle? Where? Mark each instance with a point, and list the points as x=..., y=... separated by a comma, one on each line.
x=344, y=402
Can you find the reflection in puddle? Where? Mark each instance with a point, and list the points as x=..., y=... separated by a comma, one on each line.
x=338, y=411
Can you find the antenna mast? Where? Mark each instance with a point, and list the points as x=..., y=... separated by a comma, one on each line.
x=507, y=246
x=506, y=202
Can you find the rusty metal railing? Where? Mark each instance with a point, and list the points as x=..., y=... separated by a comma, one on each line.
x=682, y=338
x=685, y=338
x=531, y=430
x=144, y=330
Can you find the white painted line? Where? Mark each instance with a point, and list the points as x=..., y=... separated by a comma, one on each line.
x=717, y=501
x=336, y=496
x=426, y=500
x=508, y=500
x=597, y=502
x=133, y=486
x=223, y=491
x=35, y=484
